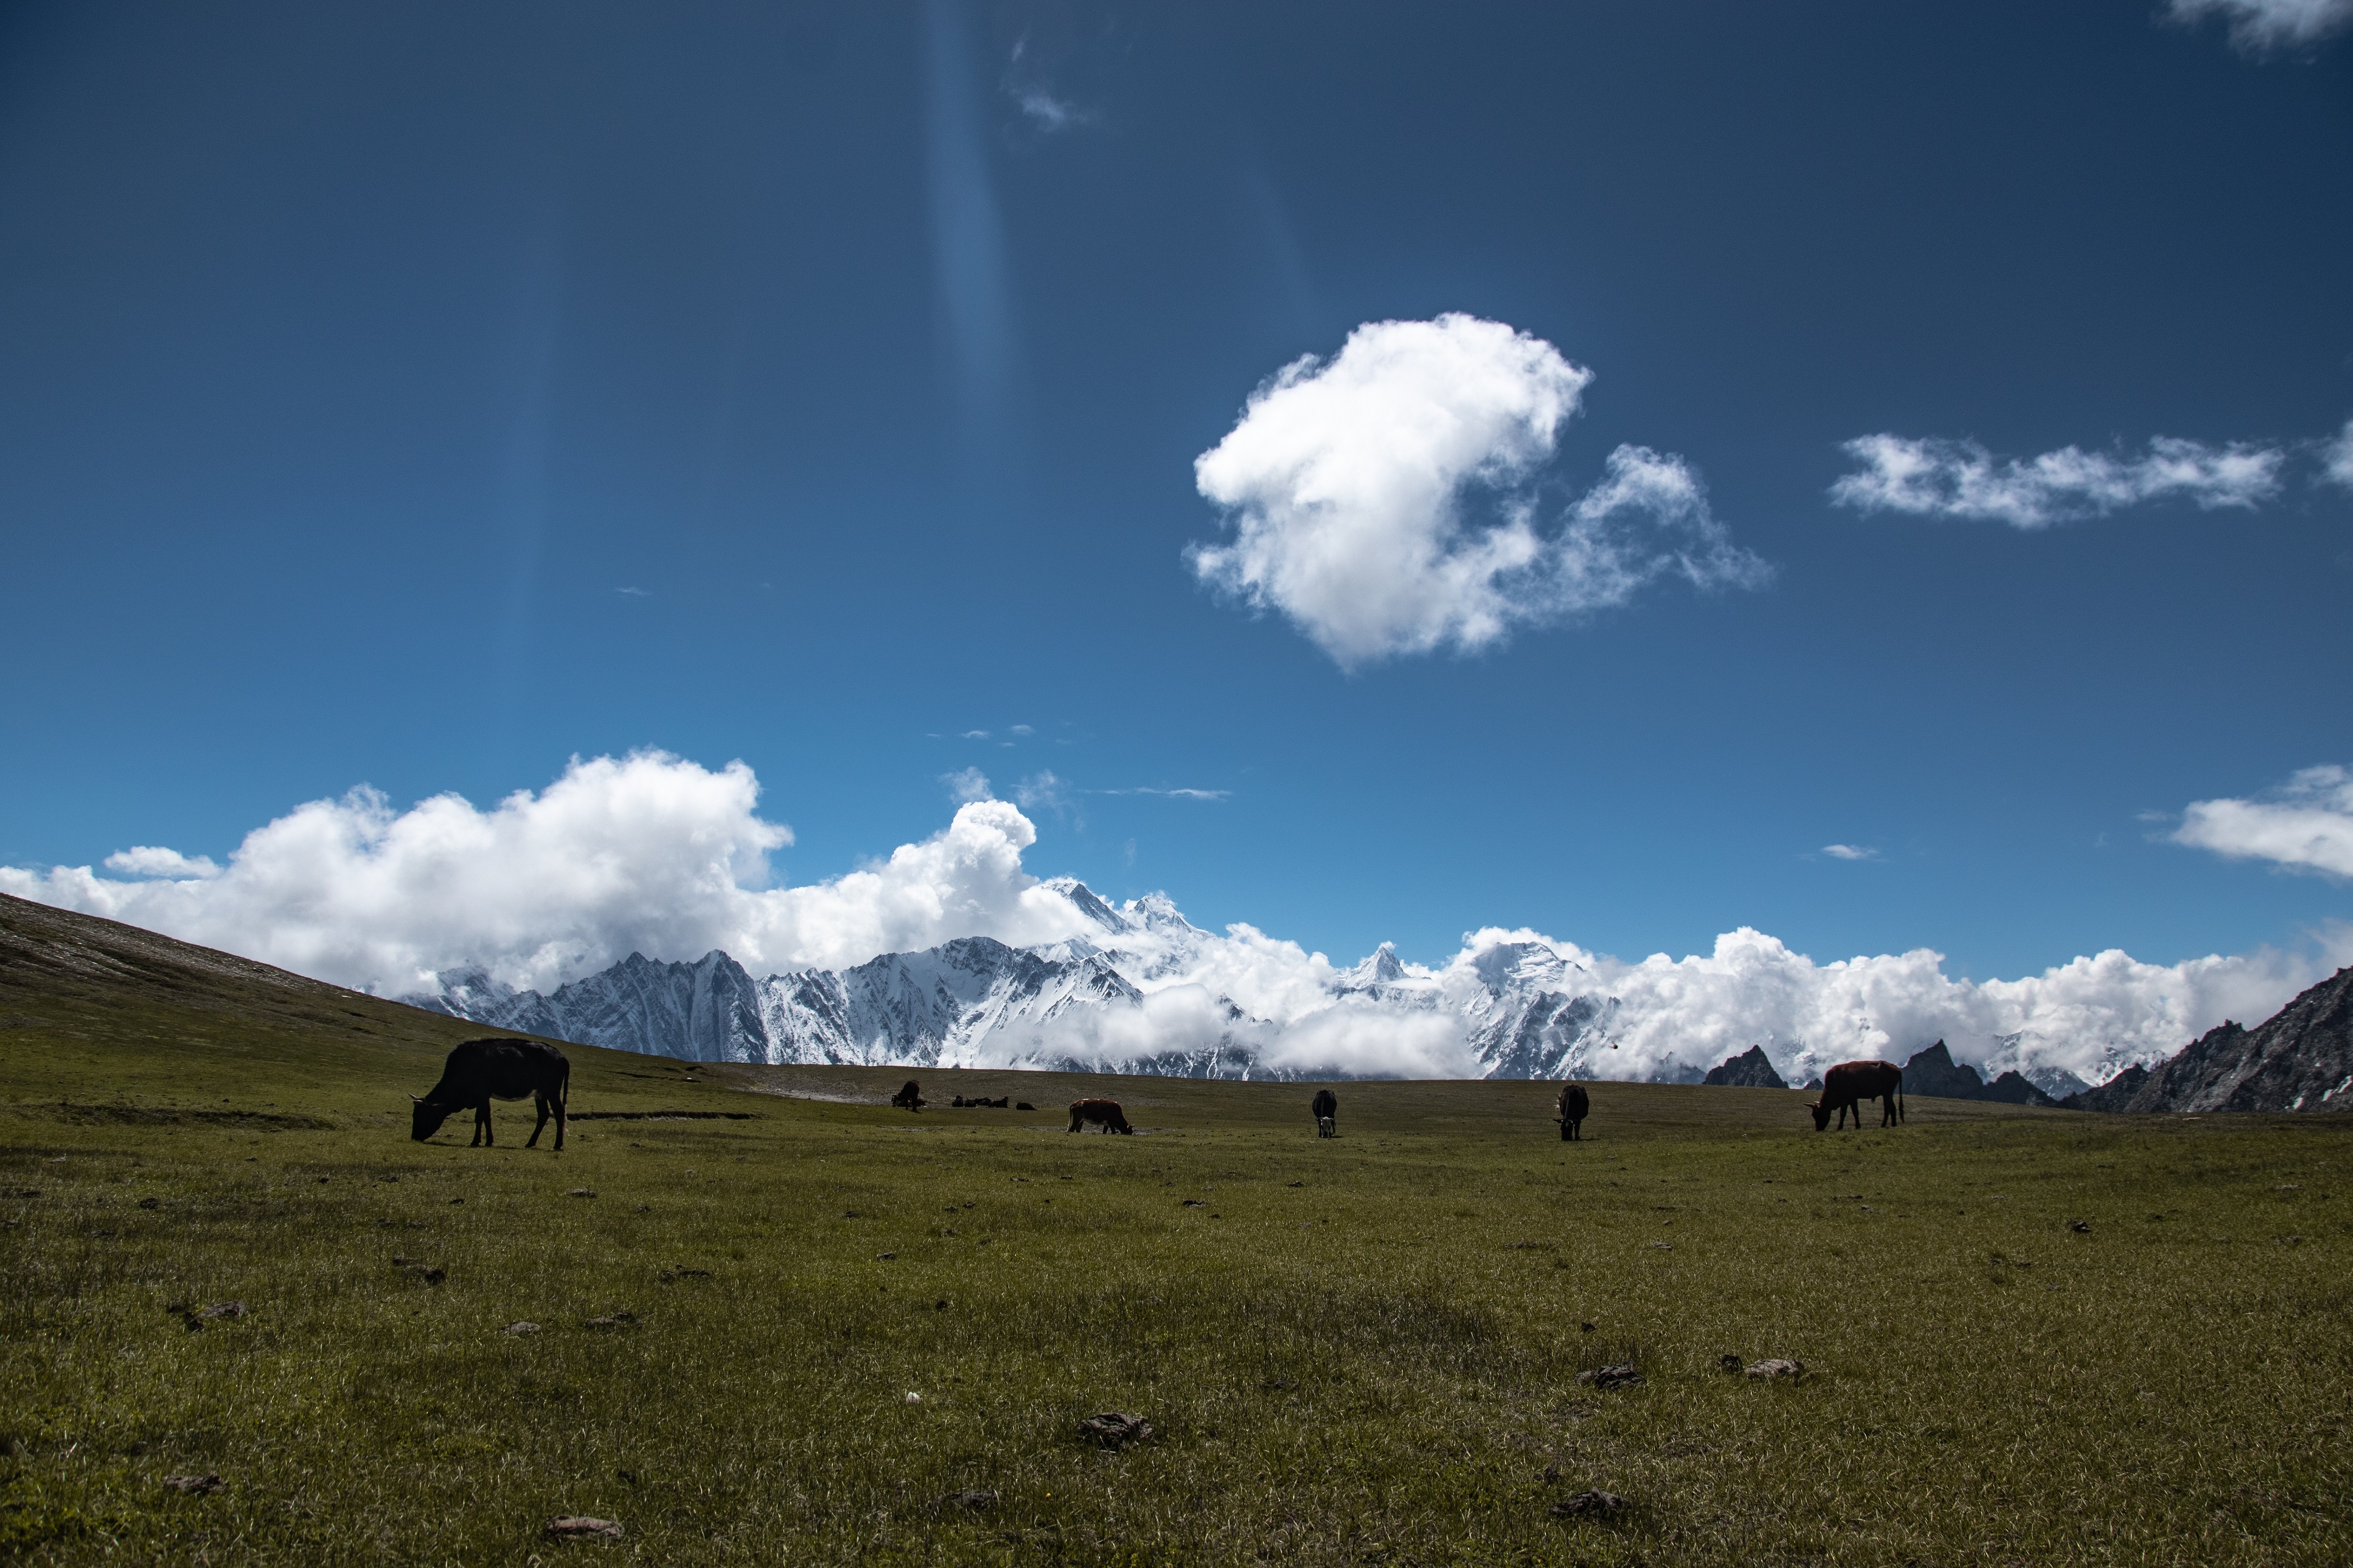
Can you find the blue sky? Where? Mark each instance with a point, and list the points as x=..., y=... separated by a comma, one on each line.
x=423, y=396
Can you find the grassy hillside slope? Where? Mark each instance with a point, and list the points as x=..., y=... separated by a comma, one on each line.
x=1364, y=1350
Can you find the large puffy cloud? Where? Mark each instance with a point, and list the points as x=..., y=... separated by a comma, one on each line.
x=2307, y=823
x=658, y=855
x=1934, y=477
x=2259, y=25
x=648, y=853
x=1347, y=483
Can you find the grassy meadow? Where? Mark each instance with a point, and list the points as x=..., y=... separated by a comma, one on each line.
x=793, y=1336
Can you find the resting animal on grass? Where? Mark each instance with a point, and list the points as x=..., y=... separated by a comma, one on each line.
x=1103, y=1113
x=911, y=1098
x=1574, y=1104
x=1326, y=1106
x=1849, y=1084
x=479, y=1071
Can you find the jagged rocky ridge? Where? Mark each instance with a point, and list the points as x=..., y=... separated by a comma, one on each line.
x=975, y=1001
x=2300, y=1058
x=1752, y=1068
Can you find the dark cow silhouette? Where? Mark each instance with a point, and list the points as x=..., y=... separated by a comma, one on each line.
x=911, y=1096
x=1846, y=1086
x=479, y=1071
x=1103, y=1113
x=1326, y=1106
x=1571, y=1112
x=1002, y=1102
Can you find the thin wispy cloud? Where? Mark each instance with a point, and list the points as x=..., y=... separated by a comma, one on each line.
x=967, y=784
x=2306, y=824
x=1935, y=476
x=633, y=593
x=2336, y=458
x=1171, y=794
x=1023, y=730
x=1043, y=790
x=2259, y=26
x=974, y=735
x=1348, y=484
x=1850, y=852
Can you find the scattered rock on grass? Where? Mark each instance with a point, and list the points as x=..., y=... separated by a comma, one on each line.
x=151, y=1203
x=1116, y=1429
x=220, y=1309
x=1728, y=1362
x=884, y=1256
x=1623, y=1375
x=199, y=1486
x=1194, y=1204
x=1763, y=1370
x=525, y=1327
x=975, y=1500
x=580, y=1527
x=618, y=1319
x=2080, y=1227
x=582, y=1192
x=1594, y=1504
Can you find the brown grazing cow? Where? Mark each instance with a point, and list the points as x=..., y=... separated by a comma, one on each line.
x=911, y=1096
x=1849, y=1084
x=1573, y=1105
x=1103, y=1113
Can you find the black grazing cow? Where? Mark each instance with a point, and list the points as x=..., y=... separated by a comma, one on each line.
x=1326, y=1106
x=1849, y=1084
x=479, y=1071
x=910, y=1097
x=1574, y=1104
x=1103, y=1113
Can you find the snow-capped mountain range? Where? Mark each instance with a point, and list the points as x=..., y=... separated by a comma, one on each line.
x=1139, y=993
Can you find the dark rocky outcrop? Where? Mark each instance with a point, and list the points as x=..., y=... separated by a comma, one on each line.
x=2300, y=1058
x=1934, y=1072
x=1750, y=1069
x=2113, y=1095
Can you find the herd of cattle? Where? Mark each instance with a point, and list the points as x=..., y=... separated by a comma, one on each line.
x=479, y=1071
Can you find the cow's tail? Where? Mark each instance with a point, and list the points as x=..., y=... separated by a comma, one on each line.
x=564, y=1091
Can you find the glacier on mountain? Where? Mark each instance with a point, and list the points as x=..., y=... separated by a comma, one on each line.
x=1144, y=990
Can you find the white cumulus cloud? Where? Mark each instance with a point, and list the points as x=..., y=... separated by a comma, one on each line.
x=967, y=784
x=2307, y=823
x=147, y=860
x=648, y=853
x=1934, y=477
x=2260, y=25
x=1849, y=852
x=1347, y=483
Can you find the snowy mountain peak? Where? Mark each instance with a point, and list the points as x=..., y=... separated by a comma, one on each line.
x=1087, y=903
x=1379, y=969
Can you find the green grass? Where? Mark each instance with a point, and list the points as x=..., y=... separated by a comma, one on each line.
x=1356, y=1350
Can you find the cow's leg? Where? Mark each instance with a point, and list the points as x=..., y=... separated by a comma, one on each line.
x=481, y=1124
x=539, y=1099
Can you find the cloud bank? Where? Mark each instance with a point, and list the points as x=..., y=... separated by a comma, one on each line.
x=1348, y=484
x=654, y=853
x=2258, y=26
x=2336, y=457
x=2306, y=824
x=1934, y=477
x=649, y=853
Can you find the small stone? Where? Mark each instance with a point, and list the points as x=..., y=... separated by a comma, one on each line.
x=230, y=1310
x=645, y=1208
x=151, y=1203
x=1194, y=1204
x=198, y=1486
x=1298, y=1184
x=1623, y=1375
x=580, y=1527
x=913, y=1397
x=884, y=1256
x=619, y=1318
x=1585, y=1328
x=1792, y=1370
x=971, y=1500
x=2080, y=1227
x=1116, y=1429
x=1728, y=1362
x=455, y=1201
x=582, y=1192
x=525, y=1327
x=1664, y=1246
x=1587, y=1505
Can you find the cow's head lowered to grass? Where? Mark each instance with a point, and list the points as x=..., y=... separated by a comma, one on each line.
x=425, y=1118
